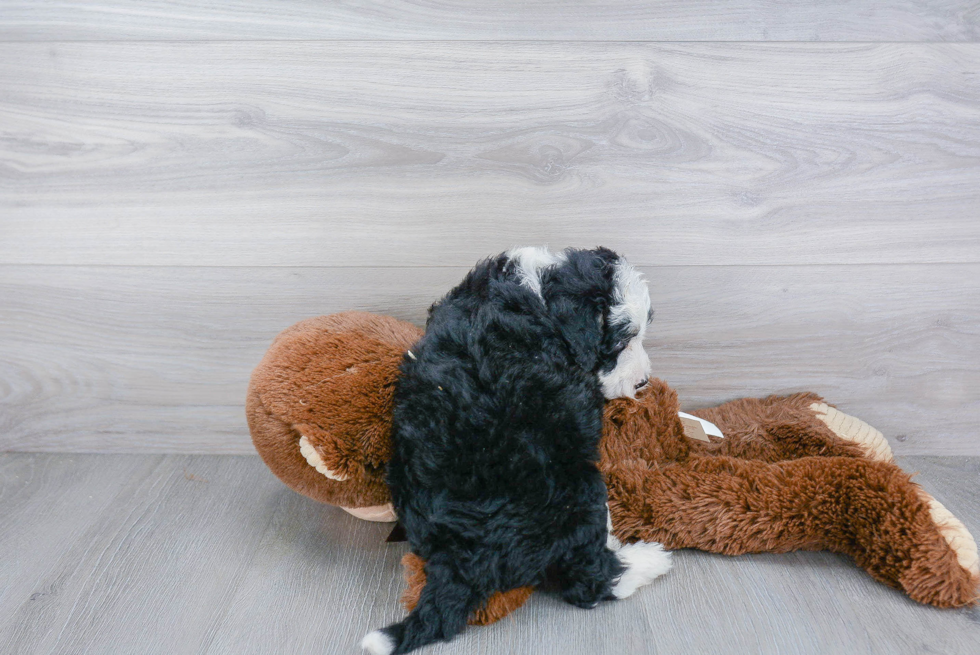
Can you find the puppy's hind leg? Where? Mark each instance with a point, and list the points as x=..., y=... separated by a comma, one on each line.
x=643, y=562
x=587, y=573
x=441, y=613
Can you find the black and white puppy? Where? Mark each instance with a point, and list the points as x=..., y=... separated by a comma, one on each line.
x=497, y=421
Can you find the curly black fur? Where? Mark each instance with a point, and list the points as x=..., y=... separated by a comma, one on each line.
x=498, y=415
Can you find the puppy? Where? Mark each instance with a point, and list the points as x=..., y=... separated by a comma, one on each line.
x=497, y=421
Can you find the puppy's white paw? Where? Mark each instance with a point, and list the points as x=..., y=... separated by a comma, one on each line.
x=378, y=643
x=644, y=563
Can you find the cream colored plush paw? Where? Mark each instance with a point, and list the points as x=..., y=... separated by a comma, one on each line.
x=853, y=429
x=313, y=459
x=955, y=533
x=378, y=513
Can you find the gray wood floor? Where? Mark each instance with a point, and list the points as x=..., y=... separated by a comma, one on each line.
x=212, y=554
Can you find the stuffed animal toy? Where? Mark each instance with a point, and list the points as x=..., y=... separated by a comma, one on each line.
x=791, y=472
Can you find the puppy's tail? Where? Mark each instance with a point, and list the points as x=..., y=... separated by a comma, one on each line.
x=441, y=613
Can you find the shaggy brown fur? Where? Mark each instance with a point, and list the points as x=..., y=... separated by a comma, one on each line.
x=330, y=378
x=781, y=479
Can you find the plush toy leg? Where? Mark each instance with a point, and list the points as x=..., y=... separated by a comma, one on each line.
x=866, y=509
x=855, y=431
x=497, y=606
x=778, y=428
x=955, y=533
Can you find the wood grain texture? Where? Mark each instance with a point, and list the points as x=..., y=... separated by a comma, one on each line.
x=414, y=154
x=625, y=20
x=156, y=359
x=112, y=555
x=212, y=555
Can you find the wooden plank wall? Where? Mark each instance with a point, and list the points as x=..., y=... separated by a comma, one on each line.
x=178, y=182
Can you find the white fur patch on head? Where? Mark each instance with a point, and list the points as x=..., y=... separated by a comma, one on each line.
x=378, y=643
x=631, y=307
x=530, y=261
x=631, y=297
x=644, y=562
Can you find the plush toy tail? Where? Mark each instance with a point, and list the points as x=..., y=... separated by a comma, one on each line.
x=441, y=613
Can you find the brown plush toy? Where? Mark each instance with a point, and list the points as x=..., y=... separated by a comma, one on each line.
x=791, y=473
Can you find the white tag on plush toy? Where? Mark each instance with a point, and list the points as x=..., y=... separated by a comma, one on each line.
x=698, y=428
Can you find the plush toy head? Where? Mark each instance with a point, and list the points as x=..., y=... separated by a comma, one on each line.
x=319, y=407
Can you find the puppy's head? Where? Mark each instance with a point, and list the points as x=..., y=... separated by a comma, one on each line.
x=626, y=366
x=603, y=305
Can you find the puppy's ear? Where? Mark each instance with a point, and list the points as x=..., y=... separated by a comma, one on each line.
x=578, y=294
